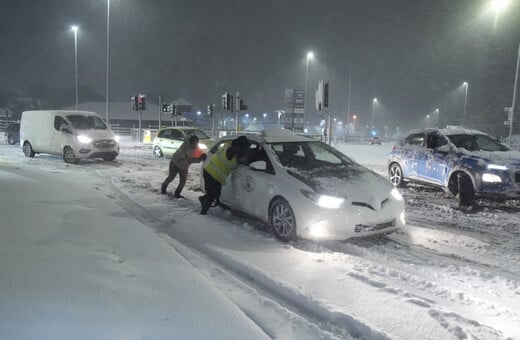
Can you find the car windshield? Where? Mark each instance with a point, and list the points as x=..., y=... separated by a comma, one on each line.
x=309, y=155
x=80, y=122
x=199, y=133
x=477, y=143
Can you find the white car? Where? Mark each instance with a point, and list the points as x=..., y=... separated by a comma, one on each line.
x=305, y=188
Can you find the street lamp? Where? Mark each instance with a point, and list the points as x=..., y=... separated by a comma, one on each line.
x=75, y=30
x=108, y=56
x=265, y=115
x=309, y=58
x=466, y=85
x=374, y=102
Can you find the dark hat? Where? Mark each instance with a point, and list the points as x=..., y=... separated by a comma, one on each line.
x=240, y=141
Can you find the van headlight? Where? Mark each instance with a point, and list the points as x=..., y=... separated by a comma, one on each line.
x=84, y=139
x=117, y=138
x=203, y=146
x=324, y=201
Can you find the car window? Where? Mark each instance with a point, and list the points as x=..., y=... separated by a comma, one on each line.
x=199, y=133
x=177, y=135
x=165, y=133
x=434, y=141
x=308, y=155
x=477, y=143
x=415, y=139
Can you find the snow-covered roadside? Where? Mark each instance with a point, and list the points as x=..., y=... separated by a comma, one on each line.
x=76, y=266
x=446, y=275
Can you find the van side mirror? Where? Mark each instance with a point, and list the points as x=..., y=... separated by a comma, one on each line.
x=65, y=128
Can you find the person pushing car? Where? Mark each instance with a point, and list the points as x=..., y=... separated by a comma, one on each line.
x=179, y=164
x=218, y=168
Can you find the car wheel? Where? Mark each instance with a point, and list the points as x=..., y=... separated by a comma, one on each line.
x=27, y=150
x=109, y=158
x=10, y=140
x=282, y=220
x=395, y=173
x=68, y=155
x=157, y=152
x=466, y=192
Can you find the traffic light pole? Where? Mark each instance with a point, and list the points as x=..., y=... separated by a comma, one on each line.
x=160, y=109
x=139, y=134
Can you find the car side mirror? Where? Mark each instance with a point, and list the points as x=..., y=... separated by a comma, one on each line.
x=446, y=148
x=258, y=166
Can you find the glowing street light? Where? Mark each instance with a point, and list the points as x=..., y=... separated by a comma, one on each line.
x=310, y=57
x=374, y=102
x=498, y=5
x=265, y=115
x=75, y=30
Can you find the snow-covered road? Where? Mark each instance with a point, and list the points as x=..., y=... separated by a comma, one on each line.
x=450, y=274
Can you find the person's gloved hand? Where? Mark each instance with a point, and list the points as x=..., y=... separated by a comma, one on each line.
x=203, y=157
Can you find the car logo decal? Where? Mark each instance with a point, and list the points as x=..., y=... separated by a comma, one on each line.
x=248, y=183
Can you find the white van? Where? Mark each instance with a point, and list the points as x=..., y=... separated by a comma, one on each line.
x=75, y=135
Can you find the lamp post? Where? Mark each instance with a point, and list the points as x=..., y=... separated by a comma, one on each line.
x=75, y=30
x=310, y=57
x=374, y=102
x=514, y=98
x=108, y=58
x=466, y=85
x=354, y=117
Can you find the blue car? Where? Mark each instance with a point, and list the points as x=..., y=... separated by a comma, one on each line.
x=467, y=163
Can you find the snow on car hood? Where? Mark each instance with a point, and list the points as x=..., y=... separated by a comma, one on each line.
x=507, y=158
x=354, y=183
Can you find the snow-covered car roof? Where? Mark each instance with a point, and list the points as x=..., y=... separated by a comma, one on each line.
x=449, y=130
x=272, y=136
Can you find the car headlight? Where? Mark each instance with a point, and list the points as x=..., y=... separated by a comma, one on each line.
x=396, y=194
x=324, y=201
x=491, y=178
x=496, y=167
x=84, y=139
x=117, y=138
x=203, y=146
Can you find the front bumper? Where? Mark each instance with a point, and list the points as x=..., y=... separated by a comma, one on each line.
x=509, y=188
x=85, y=151
x=349, y=221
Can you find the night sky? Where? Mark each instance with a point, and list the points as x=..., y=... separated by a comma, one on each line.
x=412, y=55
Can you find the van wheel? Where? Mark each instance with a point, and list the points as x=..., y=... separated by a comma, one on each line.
x=109, y=158
x=27, y=150
x=283, y=220
x=68, y=155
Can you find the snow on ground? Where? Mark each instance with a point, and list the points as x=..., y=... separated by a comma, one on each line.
x=449, y=274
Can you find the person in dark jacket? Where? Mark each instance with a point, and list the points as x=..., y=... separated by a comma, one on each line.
x=179, y=164
x=218, y=168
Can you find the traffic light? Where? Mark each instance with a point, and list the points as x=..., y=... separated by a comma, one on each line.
x=165, y=108
x=227, y=103
x=141, y=102
x=133, y=101
x=326, y=94
x=210, y=110
x=243, y=107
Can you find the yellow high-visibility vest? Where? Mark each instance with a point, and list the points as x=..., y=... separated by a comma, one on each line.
x=218, y=166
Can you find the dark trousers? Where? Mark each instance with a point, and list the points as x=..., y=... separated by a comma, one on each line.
x=172, y=172
x=212, y=188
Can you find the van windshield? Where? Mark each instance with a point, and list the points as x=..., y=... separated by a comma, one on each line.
x=86, y=122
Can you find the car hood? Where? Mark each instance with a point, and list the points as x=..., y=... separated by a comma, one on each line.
x=507, y=158
x=354, y=183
